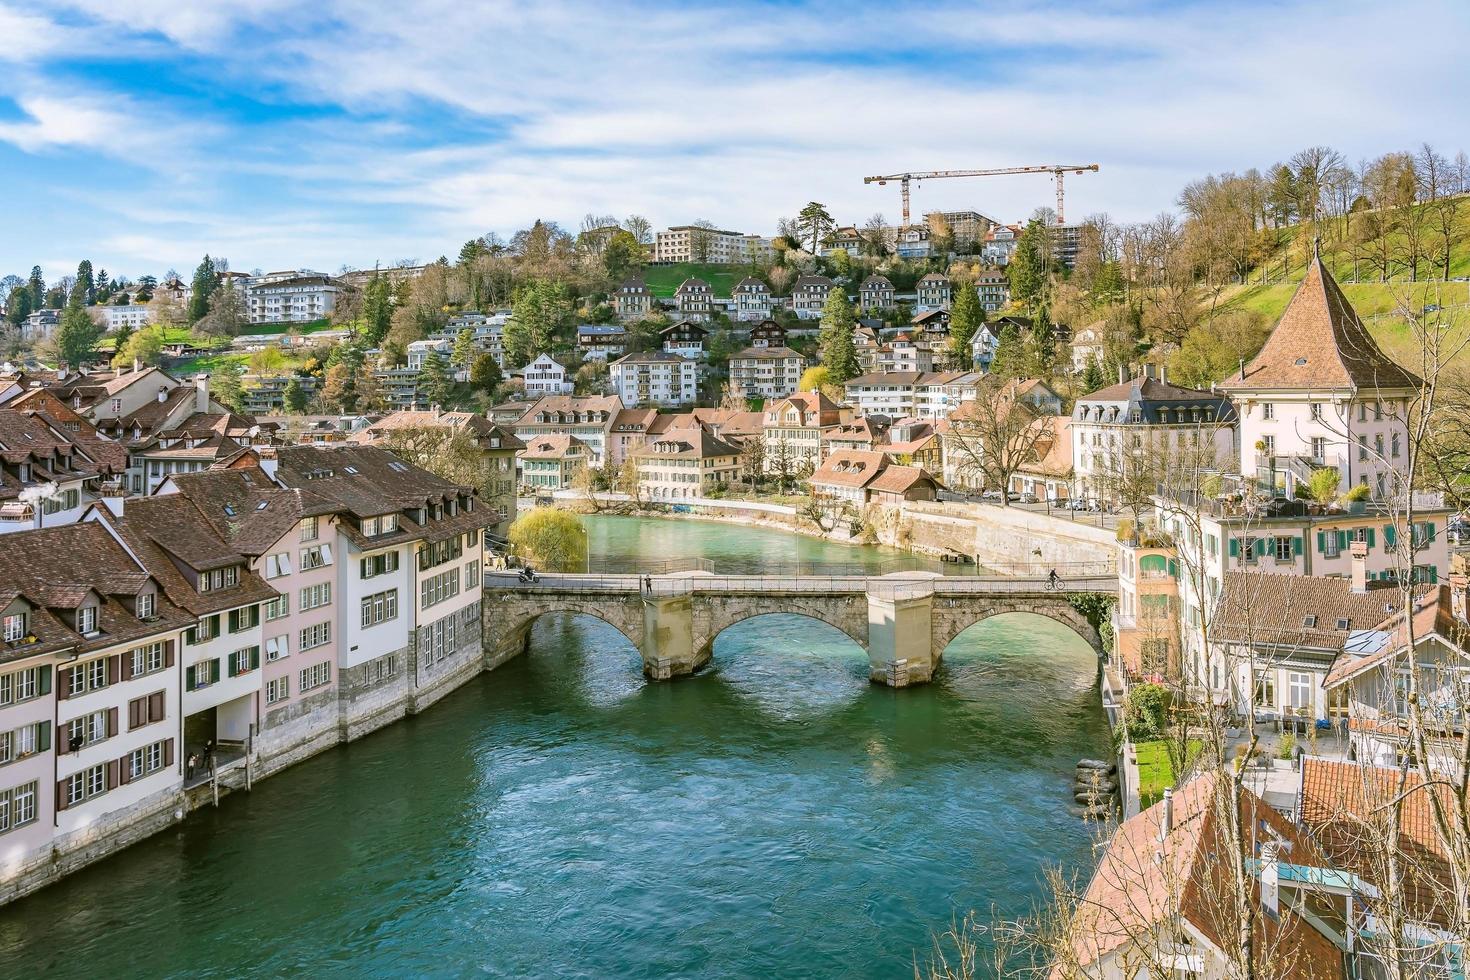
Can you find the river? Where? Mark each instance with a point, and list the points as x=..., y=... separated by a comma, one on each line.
x=776, y=815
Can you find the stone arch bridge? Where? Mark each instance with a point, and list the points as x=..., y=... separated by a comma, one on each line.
x=904, y=621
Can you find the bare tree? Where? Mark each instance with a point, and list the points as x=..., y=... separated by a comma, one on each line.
x=993, y=436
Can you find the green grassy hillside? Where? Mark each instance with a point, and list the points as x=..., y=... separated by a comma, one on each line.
x=664, y=279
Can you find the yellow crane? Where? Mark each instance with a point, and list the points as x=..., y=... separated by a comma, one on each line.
x=1055, y=169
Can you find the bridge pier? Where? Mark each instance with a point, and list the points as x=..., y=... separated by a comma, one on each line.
x=668, y=638
x=899, y=651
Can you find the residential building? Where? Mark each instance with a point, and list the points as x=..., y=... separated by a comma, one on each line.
x=932, y=293
x=655, y=378
x=866, y=433
x=965, y=227
x=912, y=442
x=685, y=463
x=600, y=342
x=1157, y=899
x=134, y=317
x=52, y=464
x=553, y=462
x=902, y=354
x=793, y=428
x=690, y=243
x=931, y=327
x=493, y=444
x=544, y=376
x=912, y=242
x=923, y=394
x=809, y=295
x=633, y=300
x=402, y=388
x=999, y=244
x=420, y=351
x=866, y=342
x=1322, y=394
x=1146, y=617
x=264, y=394
x=589, y=418
x=768, y=333
x=859, y=478
x=695, y=300
x=752, y=299
x=994, y=289
x=292, y=297
x=845, y=239
x=982, y=347
x=876, y=293
x=685, y=338
x=766, y=372
x=1087, y=346
x=630, y=430
x=1135, y=423
x=40, y=325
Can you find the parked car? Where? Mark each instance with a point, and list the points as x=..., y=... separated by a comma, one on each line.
x=1027, y=498
x=990, y=495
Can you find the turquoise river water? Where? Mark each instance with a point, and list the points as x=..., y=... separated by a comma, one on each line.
x=774, y=816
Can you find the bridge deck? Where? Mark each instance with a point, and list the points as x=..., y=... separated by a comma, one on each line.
x=896, y=586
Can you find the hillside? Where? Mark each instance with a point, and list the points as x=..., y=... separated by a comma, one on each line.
x=664, y=279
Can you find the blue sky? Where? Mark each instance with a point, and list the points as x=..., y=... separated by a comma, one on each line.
x=143, y=133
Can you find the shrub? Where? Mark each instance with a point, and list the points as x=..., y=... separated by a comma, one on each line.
x=1146, y=711
x=553, y=539
x=1287, y=746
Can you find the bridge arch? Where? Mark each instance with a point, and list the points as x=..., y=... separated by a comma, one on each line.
x=507, y=623
x=951, y=618
x=846, y=613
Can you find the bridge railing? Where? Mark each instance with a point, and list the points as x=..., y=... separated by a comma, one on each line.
x=811, y=584
x=756, y=565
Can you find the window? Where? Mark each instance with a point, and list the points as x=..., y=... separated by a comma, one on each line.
x=1248, y=548
x=1266, y=689
x=316, y=596
x=277, y=690
x=145, y=710
x=1270, y=445
x=472, y=575
x=381, y=564
x=1362, y=446
x=380, y=670
x=436, y=588
x=1394, y=451
x=1423, y=534
x=201, y=675
x=91, y=676
x=23, y=685
x=244, y=660
x=314, y=676
x=244, y=619
x=379, y=607
x=148, y=659
x=310, y=528
x=147, y=604
x=1316, y=410
x=203, y=631
x=147, y=760
x=1319, y=447
x=439, y=552
x=277, y=608
x=1299, y=690
x=89, y=729
x=87, y=620
x=1268, y=411
x=277, y=565
x=317, y=556
x=319, y=634
x=1283, y=548
x=25, y=740
x=15, y=628
x=18, y=806
x=277, y=647
x=86, y=784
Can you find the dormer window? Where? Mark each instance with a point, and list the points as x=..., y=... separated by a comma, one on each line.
x=147, y=606
x=15, y=627
x=87, y=620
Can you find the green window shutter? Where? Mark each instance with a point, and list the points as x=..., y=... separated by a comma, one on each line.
x=1174, y=567
x=1372, y=538
x=254, y=657
x=1297, y=546
x=1389, y=534
x=1433, y=574
x=1342, y=540
x=214, y=671
x=1321, y=543
x=189, y=679
x=43, y=683
x=43, y=737
x=1428, y=531
x=1234, y=547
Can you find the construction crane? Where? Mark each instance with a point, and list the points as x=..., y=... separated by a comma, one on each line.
x=1056, y=170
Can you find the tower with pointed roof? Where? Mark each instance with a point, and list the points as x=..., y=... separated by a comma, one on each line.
x=1322, y=393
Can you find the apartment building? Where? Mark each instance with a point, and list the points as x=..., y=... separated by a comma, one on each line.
x=1321, y=393
x=683, y=339
x=589, y=418
x=552, y=462
x=52, y=464
x=544, y=376
x=695, y=300
x=768, y=333
x=655, y=378
x=599, y=342
x=875, y=294
x=132, y=316
x=683, y=463
x=793, y=429
x=752, y=298
x=809, y=295
x=689, y=243
x=766, y=372
x=295, y=296
x=932, y=293
x=922, y=394
x=964, y=226
x=913, y=242
x=633, y=300
x=994, y=289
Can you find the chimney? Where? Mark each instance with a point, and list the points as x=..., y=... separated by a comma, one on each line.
x=1122, y=374
x=1359, y=552
x=163, y=393
x=1166, y=815
x=137, y=365
x=201, y=393
x=1163, y=374
x=1242, y=369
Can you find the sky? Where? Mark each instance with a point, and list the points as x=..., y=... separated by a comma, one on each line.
x=143, y=133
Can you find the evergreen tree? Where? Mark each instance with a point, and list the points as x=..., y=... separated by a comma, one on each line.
x=436, y=380
x=104, y=286
x=206, y=281
x=464, y=349
x=124, y=333
x=377, y=310
x=85, y=287
x=295, y=397
x=225, y=388
x=77, y=336
x=1031, y=266
x=1041, y=350
x=18, y=305
x=37, y=285
x=539, y=313
x=1092, y=377
x=839, y=355
x=1010, y=353
x=485, y=374
x=966, y=317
